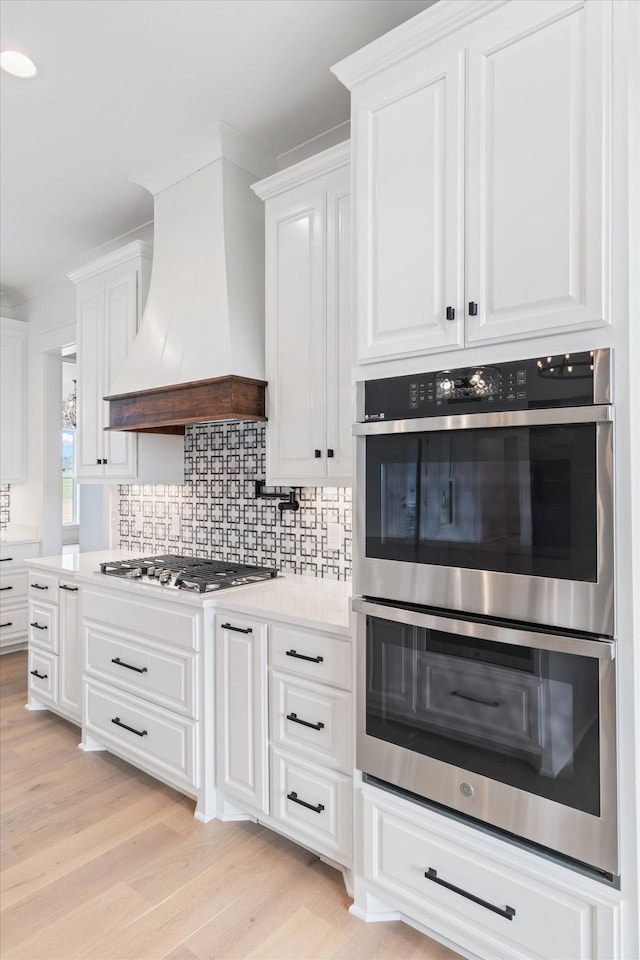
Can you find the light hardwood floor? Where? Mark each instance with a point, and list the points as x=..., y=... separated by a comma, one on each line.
x=100, y=861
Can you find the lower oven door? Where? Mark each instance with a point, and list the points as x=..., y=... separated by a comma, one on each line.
x=511, y=727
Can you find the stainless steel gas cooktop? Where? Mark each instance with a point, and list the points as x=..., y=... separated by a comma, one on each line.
x=187, y=573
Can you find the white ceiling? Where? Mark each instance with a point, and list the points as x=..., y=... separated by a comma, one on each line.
x=122, y=83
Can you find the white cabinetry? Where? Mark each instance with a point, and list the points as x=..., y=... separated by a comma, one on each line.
x=110, y=296
x=70, y=649
x=141, y=684
x=13, y=413
x=287, y=757
x=478, y=893
x=504, y=236
x=308, y=317
x=13, y=593
x=242, y=757
x=55, y=651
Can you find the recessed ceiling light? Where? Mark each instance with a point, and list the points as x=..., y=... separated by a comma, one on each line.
x=17, y=64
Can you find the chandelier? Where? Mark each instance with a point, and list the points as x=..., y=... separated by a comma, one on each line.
x=69, y=409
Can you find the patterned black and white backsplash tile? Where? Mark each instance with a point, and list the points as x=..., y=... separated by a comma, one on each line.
x=215, y=513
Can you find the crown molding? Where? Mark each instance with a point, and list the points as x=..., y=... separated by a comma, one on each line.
x=413, y=36
x=319, y=165
x=216, y=142
x=131, y=251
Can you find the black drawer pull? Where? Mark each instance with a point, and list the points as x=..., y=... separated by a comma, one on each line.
x=330, y=453
x=318, y=808
x=301, y=656
x=317, y=454
x=9, y=623
x=4, y=559
x=465, y=696
x=129, y=666
x=229, y=626
x=118, y=722
x=38, y=586
x=65, y=586
x=38, y=626
x=5, y=588
x=40, y=676
x=305, y=723
x=507, y=912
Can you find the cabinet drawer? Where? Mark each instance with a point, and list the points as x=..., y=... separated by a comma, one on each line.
x=154, y=619
x=313, y=719
x=536, y=919
x=13, y=585
x=13, y=623
x=43, y=586
x=43, y=626
x=315, y=804
x=165, y=676
x=147, y=735
x=14, y=554
x=311, y=655
x=43, y=676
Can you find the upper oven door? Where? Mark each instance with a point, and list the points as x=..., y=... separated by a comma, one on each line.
x=504, y=515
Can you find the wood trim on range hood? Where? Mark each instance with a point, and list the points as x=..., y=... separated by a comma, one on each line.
x=167, y=409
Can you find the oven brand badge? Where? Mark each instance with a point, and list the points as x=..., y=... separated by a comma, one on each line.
x=374, y=416
x=466, y=790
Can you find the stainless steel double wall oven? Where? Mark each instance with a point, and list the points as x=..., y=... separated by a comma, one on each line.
x=484, y=574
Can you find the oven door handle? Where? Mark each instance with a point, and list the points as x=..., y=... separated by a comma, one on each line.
x=600, y=648
x=600, y=413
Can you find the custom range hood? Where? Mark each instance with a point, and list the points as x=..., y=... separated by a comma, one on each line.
x=199, y=352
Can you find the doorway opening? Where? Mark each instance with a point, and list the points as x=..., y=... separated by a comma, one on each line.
x=69, y=482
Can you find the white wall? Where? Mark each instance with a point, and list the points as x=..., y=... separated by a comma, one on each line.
x=51, y=316
x=51, y=325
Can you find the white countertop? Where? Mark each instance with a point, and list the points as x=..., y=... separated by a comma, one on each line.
x=15, y=535
x=306, y=601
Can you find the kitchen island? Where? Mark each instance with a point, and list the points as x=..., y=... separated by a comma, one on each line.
x=240, y=698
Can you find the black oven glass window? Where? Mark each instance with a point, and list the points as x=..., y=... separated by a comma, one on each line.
x=524, y=717
x=513, y=499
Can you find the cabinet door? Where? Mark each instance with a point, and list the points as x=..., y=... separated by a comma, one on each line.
x=340, y=412
x=90, y=380
x=70, y=656
x=241, y=709
x=537, y=209
x=13, y=422
x=409, y=231
x=120, y=326
x=295, y=279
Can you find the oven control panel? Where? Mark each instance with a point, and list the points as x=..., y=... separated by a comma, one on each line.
x=564, y=380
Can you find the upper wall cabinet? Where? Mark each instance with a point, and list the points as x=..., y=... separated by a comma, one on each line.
x=110, y=295
x=13, y=376
x=308, y=321
x=480, y=144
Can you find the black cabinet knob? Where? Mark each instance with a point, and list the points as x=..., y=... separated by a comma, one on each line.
x=451, y=313
x=473, y=309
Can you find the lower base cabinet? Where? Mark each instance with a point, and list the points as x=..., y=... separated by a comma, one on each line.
x=55, y=645
x=142, y=695
x=475, y=892
x=283, y=730
x=14, y=623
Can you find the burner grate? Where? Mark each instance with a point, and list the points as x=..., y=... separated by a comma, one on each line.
x=187, y=573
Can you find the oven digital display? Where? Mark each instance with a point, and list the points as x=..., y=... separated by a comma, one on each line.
x=475, y=383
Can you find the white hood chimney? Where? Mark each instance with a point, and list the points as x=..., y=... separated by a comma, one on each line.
x=199, y=352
